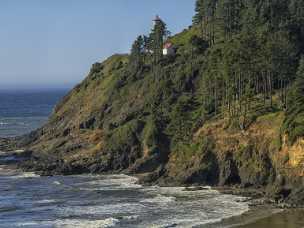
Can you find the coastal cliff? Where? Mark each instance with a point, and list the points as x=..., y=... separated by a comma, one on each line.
x=111, y=123
x=166, y=120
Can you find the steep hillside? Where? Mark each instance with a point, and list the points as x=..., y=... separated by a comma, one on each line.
x=154, y=124
x=217, y=112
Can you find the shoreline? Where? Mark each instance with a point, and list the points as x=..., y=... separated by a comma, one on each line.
x=222, y=221
x=277, y=218
x=262, y=212
x=254, y=214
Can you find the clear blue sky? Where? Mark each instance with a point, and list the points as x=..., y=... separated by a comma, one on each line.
x=52, y=43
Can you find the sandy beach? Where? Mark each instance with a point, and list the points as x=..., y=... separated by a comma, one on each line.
x=285, y=219
x=264, y=216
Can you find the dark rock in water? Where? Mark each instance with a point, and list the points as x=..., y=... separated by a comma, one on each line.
x=152, y=177
x=146, y=165
x=14, y=158
x=198, y=188
x=7, y=145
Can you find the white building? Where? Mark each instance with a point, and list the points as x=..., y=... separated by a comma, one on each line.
x=168, y=49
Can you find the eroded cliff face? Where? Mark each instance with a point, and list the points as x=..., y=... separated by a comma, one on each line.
x=293, y=155
x=148, y=123
x=244, y=158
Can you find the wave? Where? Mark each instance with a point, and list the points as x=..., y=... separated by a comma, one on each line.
x=185, y=207
x=25, y=175
x=130, y=217
x=70, y=223
x=182, y=192
x=100, y=210
x=112, y=182
x=159, y=199
x=120, y=201
x=8, y=209
x=190, y=208
x=46, y=201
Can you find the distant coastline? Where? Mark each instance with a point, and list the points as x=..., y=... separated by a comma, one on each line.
x=31, y=89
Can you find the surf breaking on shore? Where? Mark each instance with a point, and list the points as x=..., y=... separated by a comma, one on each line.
x=28, y=200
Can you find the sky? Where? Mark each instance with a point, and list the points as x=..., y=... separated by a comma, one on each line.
x=53, y=43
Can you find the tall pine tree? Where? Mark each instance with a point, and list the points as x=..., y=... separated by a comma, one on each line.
x=157, y=38
x=137, y=52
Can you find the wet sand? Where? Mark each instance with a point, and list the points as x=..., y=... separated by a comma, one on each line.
x=286, y=219
x=265, y=216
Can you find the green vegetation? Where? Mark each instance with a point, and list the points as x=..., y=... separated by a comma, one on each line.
x=211, y=113
x=238, y=60
x=294, y=123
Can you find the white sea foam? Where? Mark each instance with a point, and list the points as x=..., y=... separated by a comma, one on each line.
x=46, y=201
x=159, y=199
x=25, y=175
x=153, y=207
x=192, y=218
x=71, y=223
x=205, y=192
x=194, y=208
x=121, y=181
x=130, y=217
x=189, y=207
x=113, y=182
x=108, y=209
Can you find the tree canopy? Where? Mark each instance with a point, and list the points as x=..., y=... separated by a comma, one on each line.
x=243, y=53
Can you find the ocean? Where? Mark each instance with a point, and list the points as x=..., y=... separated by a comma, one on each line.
x=25, y=110
x=93, y=201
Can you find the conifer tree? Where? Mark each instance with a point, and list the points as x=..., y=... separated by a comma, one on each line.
x=294, y=123
x=157, y=37
x=199, y=12
x=137, y=52
x=205, y=18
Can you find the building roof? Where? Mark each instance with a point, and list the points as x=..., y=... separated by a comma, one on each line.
x=168, y=45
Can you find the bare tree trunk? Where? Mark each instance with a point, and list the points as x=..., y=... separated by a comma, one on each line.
x=264, y=87
x=240, y=92
x=215, y=98
x=270, y=87
x=281, y=91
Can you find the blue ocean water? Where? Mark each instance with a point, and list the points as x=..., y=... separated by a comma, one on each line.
x=24, y=110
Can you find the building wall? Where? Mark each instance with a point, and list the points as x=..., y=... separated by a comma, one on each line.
x=168, y=51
